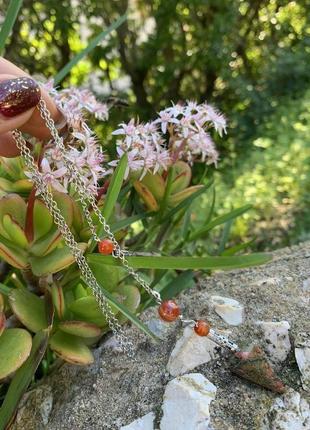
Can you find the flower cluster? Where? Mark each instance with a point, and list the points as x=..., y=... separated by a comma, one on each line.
x=179, y=132
x=83, y=150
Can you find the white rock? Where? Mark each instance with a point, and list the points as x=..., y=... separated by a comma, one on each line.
x=277, y=341
x=186, y=403
x=289, y=412
x=189, y=352
x=230, y=310
x=144, y=423
x=302, y=354
x=306, y=285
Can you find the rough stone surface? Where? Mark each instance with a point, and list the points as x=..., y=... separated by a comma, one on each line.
x=289, y=412
x=115, y=391
x=302, y=354
x=230, y=310
x=189, y=352
x=144, y=423
x=186, y=403
x=277, y=341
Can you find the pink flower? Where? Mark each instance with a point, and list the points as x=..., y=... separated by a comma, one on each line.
x=165, y=118
x=53, y=177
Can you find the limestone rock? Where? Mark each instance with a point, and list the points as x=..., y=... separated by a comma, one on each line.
x=186, y=403
x=189, y=352
x=230, y=310
x=289, y=412
x=302, y=354
x=144, y=423
x=277, y=341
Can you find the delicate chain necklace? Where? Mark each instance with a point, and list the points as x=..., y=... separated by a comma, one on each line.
x=168, y=310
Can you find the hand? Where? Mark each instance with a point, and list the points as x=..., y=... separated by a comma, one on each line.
x=19, y=95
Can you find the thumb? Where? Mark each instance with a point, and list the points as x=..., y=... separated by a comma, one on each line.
x=18, y=98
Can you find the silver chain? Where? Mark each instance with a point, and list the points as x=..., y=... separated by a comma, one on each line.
x=47, y=196
x=87, y=199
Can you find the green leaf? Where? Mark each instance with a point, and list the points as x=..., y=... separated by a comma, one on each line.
x=240, y=247
x=4, y=289
x=29, y=309
x=58, y=259
x=187, y=202
x=9, y=21
x=124, y=223
x=218, y=221
x=183, y=263
x=22, y=379
x=119, y=306
x=92, y=44
x=108, y=276
x=87, y=309
x=80, y=328
x=15, y=347
x=112, y=194
x=71, y=348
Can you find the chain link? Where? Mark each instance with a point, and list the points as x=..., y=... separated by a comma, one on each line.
x=87, y=199
x=47, y=196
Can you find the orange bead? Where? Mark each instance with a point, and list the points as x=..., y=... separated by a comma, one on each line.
x=169, y=310
x=105, y=247
x=202, y=328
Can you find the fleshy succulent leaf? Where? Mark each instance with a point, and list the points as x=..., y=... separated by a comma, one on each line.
x=2, y=322
x=156, y=185
x=42, y=220
x=147, y=196
x=58, y=300
x=71, y=348
x=14, y=205
x=87, y=309
x=129, y=296
x=15, y=347
x=80, y=328
x=14, y=231
x=182, y=175
x=13, y=255
x=177, y=198
x=58, y=259
x=47, y=243
x=29, y=309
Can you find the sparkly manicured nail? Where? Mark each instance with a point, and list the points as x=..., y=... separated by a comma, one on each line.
x=18, y=95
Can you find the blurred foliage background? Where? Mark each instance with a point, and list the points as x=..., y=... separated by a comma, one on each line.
x=248, y=58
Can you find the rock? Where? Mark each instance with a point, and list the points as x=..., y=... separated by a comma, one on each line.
x=189, y=352
x=277, y=341
x=230, y=310
x=114, y=391
x=302, y=354
x=160, y=328
x=289, y=412
x=144, y=423
x=306, y=285
x=186, y=403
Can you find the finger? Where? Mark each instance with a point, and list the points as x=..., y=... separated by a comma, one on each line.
x=33, y=124
x=18, y=98
x=8, y=147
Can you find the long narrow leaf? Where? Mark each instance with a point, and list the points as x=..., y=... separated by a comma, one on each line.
x=124, y=223
x=5, y=290
x=112, y=195
x=92, y=44
x=111, y=299
x=240, y=247
x=183, y=263
x=22, y=379
x=9, y=21
x=218, y=221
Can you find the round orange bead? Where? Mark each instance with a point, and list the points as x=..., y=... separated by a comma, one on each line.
x=202, y=328
x=105, y=247
x=169, y=310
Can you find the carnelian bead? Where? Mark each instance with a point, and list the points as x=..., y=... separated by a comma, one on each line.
x=169, y=310
x=105, y=247
x=202, y=328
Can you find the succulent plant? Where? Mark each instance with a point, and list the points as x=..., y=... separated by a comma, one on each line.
x=152, y=188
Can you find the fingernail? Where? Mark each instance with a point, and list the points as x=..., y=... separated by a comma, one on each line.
x=18, y=95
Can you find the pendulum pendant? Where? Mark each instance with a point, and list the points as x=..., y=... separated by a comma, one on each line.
x=255, y=367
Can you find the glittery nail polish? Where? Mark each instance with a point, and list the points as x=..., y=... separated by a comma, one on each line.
x=18, y=95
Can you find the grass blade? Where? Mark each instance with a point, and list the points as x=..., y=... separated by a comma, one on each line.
x=92, y=44
x=218, y=221
x=183, y=263
x=124, y=223
x=112, y=195
x=9, y=21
